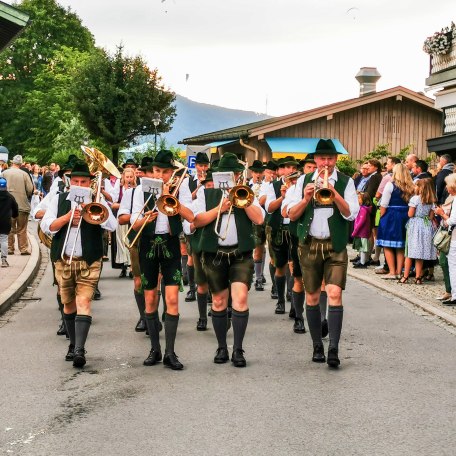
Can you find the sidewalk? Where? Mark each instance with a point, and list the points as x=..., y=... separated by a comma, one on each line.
x=423, y=296
x=15, y=279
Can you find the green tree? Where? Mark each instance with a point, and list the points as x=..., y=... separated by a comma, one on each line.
x=116, y=97
x=51, y=28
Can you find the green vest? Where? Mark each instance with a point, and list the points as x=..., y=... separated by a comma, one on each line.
x=339, y=228
x=175, y=224
x=275, y=220
x=91, y=236
x=244, y=227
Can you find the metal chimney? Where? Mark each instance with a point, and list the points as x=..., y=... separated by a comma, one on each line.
x=367, y=78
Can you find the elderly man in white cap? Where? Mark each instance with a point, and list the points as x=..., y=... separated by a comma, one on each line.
x=21, y=187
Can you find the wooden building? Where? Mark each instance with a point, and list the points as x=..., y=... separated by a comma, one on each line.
x=12, y=22
x=396, y=116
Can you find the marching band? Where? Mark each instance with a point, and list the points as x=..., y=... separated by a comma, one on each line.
x=222, y=221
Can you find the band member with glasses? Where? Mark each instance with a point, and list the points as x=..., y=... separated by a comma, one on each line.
x=78, y=278
x=227, y=259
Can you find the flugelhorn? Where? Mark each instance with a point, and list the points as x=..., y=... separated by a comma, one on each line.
x=323, y=195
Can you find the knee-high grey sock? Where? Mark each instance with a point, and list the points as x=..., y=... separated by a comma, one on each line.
x=163, y=294
x=220, y=323
x=139, y=298
x=280, y=285
x=258, y=269
x=314, y=322
x=272, y=270
x=323, y=303
x=191, y=277
x=202, y=305
x=69, y=323
x=290, y=280
x=298, y=302
x=81, y=327
x=239, y=321
x=335, y=317
x=171, y=322
x=184, y=260
x=152, y=328
x=59, y=302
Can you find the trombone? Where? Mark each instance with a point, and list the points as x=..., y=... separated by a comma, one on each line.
x=69, y=260
x=96, y=213
x=131, y=244
x=169, y=204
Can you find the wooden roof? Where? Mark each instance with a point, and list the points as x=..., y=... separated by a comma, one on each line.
x=263, y=127
x=12, y=22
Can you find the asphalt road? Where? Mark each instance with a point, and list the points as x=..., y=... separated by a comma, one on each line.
x=393, y=395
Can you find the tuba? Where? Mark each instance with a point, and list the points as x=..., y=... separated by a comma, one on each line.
x=323, y=195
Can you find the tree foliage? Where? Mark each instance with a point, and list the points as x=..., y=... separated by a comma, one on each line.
x=116, y=97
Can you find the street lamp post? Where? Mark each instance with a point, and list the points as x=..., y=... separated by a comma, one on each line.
x=156, y=121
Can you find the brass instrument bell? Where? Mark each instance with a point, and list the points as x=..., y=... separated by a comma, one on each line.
x=323, y=195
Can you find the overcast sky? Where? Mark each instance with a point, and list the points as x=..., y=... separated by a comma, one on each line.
x=281, y=56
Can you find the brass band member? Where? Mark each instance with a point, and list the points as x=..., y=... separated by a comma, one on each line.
x=227, y=260
x=323, y=231
x=78, y=280
x=280, y=237
x=159, y=251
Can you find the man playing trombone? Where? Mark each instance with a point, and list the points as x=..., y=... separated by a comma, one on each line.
x=227, y=256
x=76, y=251
x=159, y=251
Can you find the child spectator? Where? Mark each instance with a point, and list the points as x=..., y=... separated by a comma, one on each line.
x=362, y=230
x=8, y=210
x=420, y=230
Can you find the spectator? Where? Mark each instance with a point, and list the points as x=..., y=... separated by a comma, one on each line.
x=420, y=171
x=446, y=167
x=409, y=161
x=362, y=178
x=8, y=211
x=48, y=179
x=21, y=187
x=375, y=177
x=393, y=217
x=362, y=230
x=37, y=179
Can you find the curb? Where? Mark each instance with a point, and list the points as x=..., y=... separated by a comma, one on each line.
x=450, y=319
x=15, y=290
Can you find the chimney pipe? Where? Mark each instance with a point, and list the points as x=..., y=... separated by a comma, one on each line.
x=367, y=78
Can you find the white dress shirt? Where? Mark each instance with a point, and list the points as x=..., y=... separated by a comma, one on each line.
x=113, y=190
x=55, y=184
x=270, y=198
x=125, y=203
x=319, y=227
x=185, y=194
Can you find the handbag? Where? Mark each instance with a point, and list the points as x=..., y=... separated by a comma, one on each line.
x=442, y=239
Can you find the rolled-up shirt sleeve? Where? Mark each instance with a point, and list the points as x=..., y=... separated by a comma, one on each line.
x=296, y=197
x=270, y=197
x=351, y=197
x=50, y=215
x=138, y=203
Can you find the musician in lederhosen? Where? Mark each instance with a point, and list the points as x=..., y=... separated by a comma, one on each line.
x=227, y=259
x=83, y=251
x=323, y=232
x=187, y=194
x=279, y=247
x=159, y=251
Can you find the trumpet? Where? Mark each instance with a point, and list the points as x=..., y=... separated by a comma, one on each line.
x=169, y=204
x=292, y=176
x=323, y=195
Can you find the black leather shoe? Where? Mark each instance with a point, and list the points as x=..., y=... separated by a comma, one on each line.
x=356, y=259
x=130, y=274
x=153, y=358
x=259, y=285
x=70, y=353
x=359, y=266
x=298, y=326
x=292, y=313
x=374, y=263
x=449, y=302
x=79, y=358
x=333, y=357
x=324, y=328
x=263, y=279
x=221, y=356
x=191, y=296
x=288, y=296
x=237, y=358
x=140, y=326
x=170, y=360
x=97, y=295
x=123, y=273
x=274, y=294
x=318, y=354
x=201, y=325
x=62, y=329
x=280, y=307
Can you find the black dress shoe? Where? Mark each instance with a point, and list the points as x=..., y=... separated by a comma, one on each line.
x=97, y=295
x=141, y=326
x=449, y=302
x=324, y=328
x=259, y=285
x=130, y=274
x=318, y=354
x=359, y=266
x=292, y=313
x=263, y=279
x=79, y=358
x=280, y=307
x=237, y=358
x=221, y=356
x=298, y=326
x=191, y=296
x=201, y=325
x=70, y=353
x=274, y=294
x=374, y=263
x=123, y=273
x=333, y=357
x=170, y=360
x=356, y=259
x=153, y=358
x=62, y=329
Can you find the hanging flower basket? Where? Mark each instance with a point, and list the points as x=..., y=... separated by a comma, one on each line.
x=440, y=43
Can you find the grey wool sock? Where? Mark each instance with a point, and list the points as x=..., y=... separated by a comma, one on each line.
x=202, y=305
x=171, y=322
x=239, y=320
x=335, y=317
x=139, y=298
x=280, y=285
x=220, y=323
x=69, y=323
x=298, y=302
x=314, y=322
x=258, y=269
x=81, y=326
x=152, y=328
x=323, y=303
